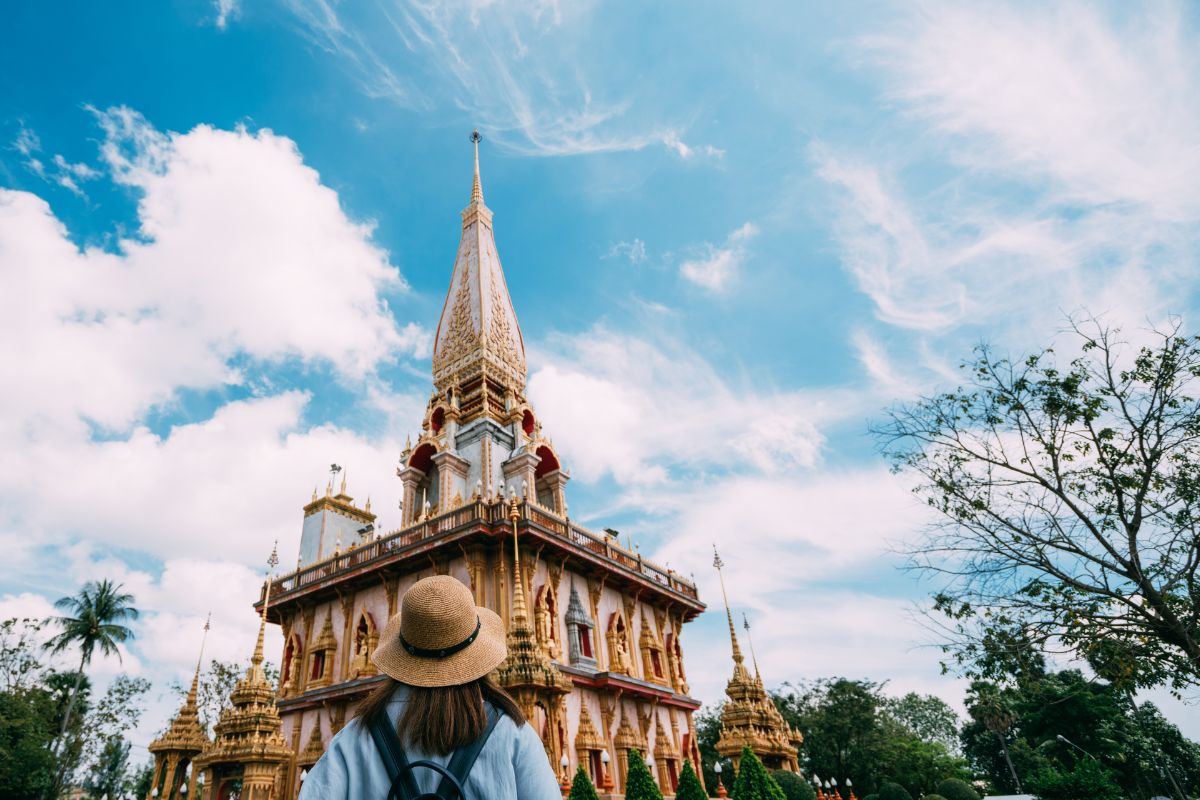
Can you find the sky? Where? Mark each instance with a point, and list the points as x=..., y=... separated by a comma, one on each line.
x=732, y=238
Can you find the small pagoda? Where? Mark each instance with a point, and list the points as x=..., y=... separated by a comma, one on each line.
x=183, y=740
x=249, y=746
x=749, y=718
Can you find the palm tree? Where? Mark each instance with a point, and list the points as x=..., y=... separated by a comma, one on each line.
x=95, y=622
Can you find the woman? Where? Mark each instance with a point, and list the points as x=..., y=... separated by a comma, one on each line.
x=437, y=654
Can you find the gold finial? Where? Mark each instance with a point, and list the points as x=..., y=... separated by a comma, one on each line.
x=191, y=698
x=256, y=661
x=753, y=657
x=476, y=188
x=368, y=508
x=737, y=651
x=314, y=492
x=520, y=615
x=343, y=489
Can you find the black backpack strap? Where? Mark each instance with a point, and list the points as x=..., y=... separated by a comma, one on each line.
x=399, y=771
x=464, y=758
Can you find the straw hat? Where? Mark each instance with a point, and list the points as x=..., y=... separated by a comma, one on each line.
x=440, y=637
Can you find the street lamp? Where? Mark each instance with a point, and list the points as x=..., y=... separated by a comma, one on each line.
x=1065, y=740
x=564, y=762
x=720, y=786
x=606, y=781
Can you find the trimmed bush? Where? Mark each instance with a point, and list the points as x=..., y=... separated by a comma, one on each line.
x=582, y=788
x=753, y=781
x=794, y=787
x=957, y=789
x=1088, y=781
x=932, y=797
x=690, y=787
x=893, y=791
x=639, y=783
x=871, y=797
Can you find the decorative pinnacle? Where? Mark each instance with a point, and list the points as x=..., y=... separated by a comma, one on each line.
x=191, y=698
x=737, y=651
x=520, y=616
x=476, y=188
x=753, y=657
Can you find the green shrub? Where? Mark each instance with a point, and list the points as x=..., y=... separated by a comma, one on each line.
x=582, y=788
x=639, y=783
x=871, y=797
x=753, y=781
x=690, y=787
x=932, y=797
x=794, y=787
x=956, y=789
x=893, y=791
x=1088, y=781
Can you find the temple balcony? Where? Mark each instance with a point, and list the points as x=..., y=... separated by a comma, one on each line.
x=451, y=533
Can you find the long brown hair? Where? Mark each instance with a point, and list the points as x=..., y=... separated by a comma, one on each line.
x=437, y=720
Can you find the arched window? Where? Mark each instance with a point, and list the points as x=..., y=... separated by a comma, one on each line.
x=288, y=678
x=427, y=489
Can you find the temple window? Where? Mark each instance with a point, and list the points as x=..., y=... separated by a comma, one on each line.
x=287, y=673
x=545, y=618
x=365, y=639
x=579, y=632
x=437, y=420
x=318, y=666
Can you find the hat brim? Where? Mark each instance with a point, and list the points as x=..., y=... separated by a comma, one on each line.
x=474, y=661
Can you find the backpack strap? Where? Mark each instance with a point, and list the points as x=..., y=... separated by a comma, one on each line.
x=464, y=758
x=399, y=771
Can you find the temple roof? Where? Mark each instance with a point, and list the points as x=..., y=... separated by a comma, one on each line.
x=478, y=331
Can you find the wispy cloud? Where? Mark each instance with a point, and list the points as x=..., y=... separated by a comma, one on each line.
x=513, y=66
x=716, y=267
x=226, y=10
x=635, y=251
x=59, y=171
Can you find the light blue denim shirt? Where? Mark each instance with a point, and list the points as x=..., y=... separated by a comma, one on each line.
x=511, y=766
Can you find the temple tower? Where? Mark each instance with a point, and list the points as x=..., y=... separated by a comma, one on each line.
x=183, y=740
x=749, y=718
x=248, y=747
x=483, y=498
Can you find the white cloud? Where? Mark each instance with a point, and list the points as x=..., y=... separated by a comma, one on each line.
x=635, y=251
x=241, y=252
x=636, y=409
x=687, y=152
x=716, y=268
x=1071, y=136
x=226, y=10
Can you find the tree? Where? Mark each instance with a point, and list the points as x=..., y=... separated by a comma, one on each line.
x=639, y=783
x=118, y=711
x=142, y=780
x=20, y=667
x=690, y=787
x=99, y=611
x=928, y=718
x=708, y=732
x=794, y=787
x=1089, y=780
x=893, y=791
x=581, y=787
x=1069, y=499
x=109, y=777
x=753, y=781
x=957, y=789
x=26, y=730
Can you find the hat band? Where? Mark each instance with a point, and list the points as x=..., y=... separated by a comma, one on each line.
x=440, y=652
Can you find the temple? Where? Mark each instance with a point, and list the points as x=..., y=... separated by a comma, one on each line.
x=183, y=740
x=595, y=655
x=749, y=718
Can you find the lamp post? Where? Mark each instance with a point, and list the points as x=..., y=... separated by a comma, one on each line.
x=565, y=763
x=720, y=786
x=817, y=784
x=606, y=782
x=1065, y=740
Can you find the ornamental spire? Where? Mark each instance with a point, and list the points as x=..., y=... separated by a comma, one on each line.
x=737, y=651
x=476, y=188
x=192, y=693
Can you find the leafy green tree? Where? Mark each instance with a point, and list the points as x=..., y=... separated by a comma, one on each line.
x=690, y=787
x=140, y=783
x=1069, y=497
x=20, y=666
x=109, y=776
x=1089, y=780
x=871, y=797
x=893, y=791
x=957, y=789
x=932, y=797
x=708, y=732
x=753, y=781
x=581, y=787
x=26, y=729
x=639, y=783
x=116, y=713
x=794, y=787
x=928, y=718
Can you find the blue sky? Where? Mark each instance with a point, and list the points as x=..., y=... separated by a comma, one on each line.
x=731, y=239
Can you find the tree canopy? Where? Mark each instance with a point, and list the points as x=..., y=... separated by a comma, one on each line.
x=1069, y=499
